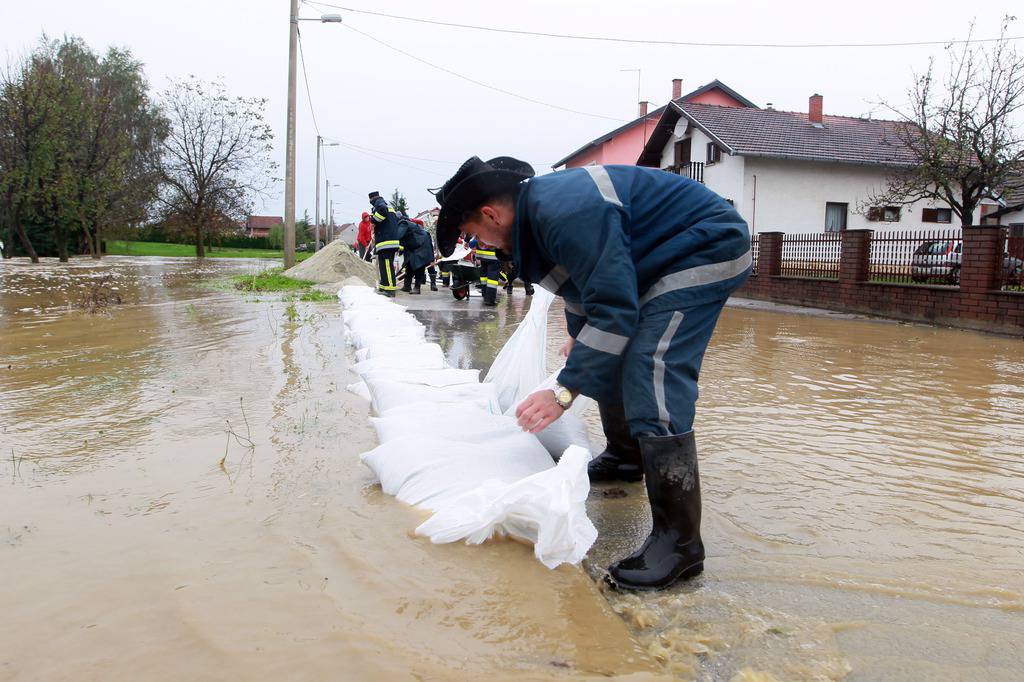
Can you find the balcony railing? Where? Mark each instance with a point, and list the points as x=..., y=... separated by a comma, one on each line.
x=692, y=169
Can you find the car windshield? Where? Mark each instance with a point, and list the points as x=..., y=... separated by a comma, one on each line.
x=932, y=249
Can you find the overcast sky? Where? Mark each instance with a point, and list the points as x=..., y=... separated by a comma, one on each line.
x=369, y=95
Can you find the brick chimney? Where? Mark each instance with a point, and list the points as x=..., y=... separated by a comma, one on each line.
x=814, y=109
x=643, y=109
x=677, y=88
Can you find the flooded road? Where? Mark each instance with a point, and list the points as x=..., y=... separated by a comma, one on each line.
x=181, y=498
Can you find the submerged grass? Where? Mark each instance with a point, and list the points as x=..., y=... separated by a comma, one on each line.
x=274, y=280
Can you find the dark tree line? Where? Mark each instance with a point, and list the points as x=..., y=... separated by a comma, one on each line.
x=86, y=152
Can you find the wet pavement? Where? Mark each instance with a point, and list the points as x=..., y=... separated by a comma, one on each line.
x=180, y=498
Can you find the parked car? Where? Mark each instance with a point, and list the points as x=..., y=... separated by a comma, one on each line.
x=939, y=260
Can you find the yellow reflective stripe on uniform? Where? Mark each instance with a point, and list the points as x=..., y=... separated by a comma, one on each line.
x=388, y=244
x=387, y=269
x=378, y=216
x=481, y=252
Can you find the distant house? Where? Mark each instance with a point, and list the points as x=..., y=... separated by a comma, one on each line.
x=624, y=144
x=1010, y=212
x=346, y=232
x=792, y=171
x=259, y=225
x=429, y=217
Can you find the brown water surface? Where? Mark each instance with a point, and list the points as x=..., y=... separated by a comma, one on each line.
x=863, y=486
x=181, y=499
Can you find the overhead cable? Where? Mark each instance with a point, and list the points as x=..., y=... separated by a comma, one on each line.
x=476, y=82
x=639, y=41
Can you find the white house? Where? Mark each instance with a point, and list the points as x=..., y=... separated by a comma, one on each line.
x=793, y=171
x=1010, y=212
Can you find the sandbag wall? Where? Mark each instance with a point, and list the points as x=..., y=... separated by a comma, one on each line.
x=446, y=444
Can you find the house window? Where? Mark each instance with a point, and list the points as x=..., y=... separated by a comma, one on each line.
x=714, y=153
x=885, y=214
x=682, y=152
x=937, y=215
x=1016, y=230
x=835, y=216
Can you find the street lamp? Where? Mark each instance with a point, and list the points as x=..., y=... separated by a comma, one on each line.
x=289, y=165
x=319, y=143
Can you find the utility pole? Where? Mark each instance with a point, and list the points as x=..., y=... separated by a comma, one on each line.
x=289, y=164
x=316, y=245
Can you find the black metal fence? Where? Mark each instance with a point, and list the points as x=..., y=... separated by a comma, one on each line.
x=755, y=250
x=916, y=257
x=1013, y=263
x=811, y=255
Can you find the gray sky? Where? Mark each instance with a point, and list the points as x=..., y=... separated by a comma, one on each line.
x=368, y=95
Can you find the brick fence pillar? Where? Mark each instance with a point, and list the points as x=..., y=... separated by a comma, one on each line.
x=769, y=254
x=855, y=256
x=982, y=258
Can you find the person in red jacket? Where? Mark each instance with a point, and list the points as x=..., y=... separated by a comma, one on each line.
x=365, y=236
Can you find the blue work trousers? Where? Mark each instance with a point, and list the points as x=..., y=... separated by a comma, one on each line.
x=661, y=366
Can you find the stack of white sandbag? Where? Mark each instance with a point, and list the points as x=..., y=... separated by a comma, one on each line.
x=446, y=446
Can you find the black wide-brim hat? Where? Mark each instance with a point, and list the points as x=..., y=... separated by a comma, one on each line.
x=474, y=182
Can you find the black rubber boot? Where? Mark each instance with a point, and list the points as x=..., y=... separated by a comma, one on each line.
x=433, y=282
x=621, y=460
x=673, y=551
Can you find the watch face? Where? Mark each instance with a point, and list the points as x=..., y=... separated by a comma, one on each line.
x=564, y=396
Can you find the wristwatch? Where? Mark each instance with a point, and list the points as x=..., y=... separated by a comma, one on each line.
x=563, y=396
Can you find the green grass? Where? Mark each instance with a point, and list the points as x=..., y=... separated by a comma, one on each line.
x=272, y=280
x=118, y=247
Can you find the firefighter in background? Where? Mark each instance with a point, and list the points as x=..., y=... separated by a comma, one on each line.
x=418, y=249
x=644, y=261
x=364, y=237
x=385, y=230
x=490, y=273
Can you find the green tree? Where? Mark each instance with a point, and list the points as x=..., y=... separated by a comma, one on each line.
x=398, y=202
x=275, y=237
x=78, y=152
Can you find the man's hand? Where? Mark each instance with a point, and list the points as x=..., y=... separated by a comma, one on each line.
x=538, y=411
x=567, y=347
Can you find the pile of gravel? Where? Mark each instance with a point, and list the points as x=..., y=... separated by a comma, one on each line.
x=334, y=263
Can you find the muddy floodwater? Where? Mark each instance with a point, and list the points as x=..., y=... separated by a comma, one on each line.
x=180, y=498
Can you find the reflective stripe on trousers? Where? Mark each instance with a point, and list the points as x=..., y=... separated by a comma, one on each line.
x=661, y=366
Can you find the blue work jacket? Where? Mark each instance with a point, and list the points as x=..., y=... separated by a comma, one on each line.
x=617, y=240
x=386, y=231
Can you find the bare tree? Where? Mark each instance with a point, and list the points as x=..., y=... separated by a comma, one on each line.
x=216, y=157
x=963, y=133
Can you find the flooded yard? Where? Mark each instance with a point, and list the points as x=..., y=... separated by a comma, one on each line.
x=181, y=498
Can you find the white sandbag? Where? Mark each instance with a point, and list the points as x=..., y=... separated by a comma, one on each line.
x=568, y=430
x=354, y=316
x=455, y=423
x=387, y=394
x=448, y=376
x=398, y=362
x=433, y=471
x=367, y=336
x=386, y=348
x=519, y=366
x=548, y=509
x=360, y=389
x=362, y=296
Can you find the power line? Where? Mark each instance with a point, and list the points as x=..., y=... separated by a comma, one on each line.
x=381, y=151
x=637, y=41
x=305, y=77
x=476, y=82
